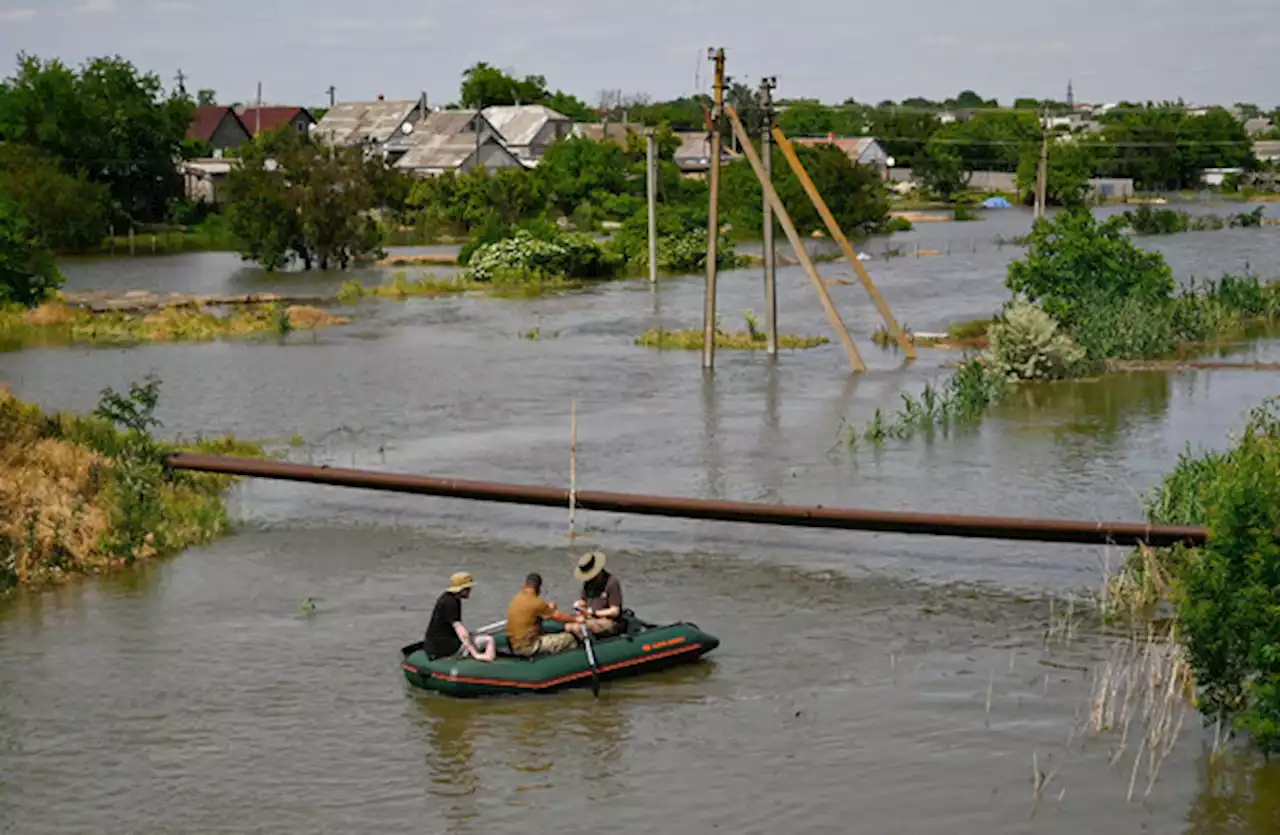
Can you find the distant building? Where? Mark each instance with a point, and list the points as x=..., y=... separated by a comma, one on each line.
x=864, y=150
x=528, y=130
x=599, y=131
x=455, y=140
x=1111, y=188
x=380, y=125
x=203, y=179
x=219, y=126
x=1258, y=127
x=693, y=157
x=269, y=119
x=1267, y=150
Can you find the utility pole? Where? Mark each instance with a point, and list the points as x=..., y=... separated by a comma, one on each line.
x=713, y=219
x=333, y=93
x=651, y=187
x=765, y=95
x=1042, y=174
x=182, y=87
x=257, y=114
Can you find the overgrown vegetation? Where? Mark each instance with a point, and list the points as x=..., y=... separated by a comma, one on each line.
x=1146, y=220
x=54, y=323
x=1228, y=617
x=960, y=401
x=87, y=494
x=754, y=338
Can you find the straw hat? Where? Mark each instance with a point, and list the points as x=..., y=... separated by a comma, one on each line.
x=460, y=581
x=589, y=566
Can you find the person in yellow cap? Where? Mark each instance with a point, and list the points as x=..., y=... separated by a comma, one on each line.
x=601, y=601
x=446, y=636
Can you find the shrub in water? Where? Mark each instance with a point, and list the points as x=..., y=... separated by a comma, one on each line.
x=1028, y=345
x=572, y=255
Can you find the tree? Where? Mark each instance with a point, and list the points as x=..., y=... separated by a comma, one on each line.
x=28, y=273
x=1070, y=166
x=902, y=133
x=854, y=193
x=487, y=86
x=569, y=105
x=206, y=98
x=1076, y=264
x=941, y=170
x=108, y=120
x=71, y=213
x=293, y=198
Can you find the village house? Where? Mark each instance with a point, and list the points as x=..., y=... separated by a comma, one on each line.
x=454, y=140
x=863, y=150
x=1267, y=150
x=383, y=126
x=203, y=180
x=693, y=157
x=260, y=120
x=218, y=126
x=618, y=132
x=528, y=130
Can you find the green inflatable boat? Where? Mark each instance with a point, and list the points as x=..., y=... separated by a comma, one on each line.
x=639, y=648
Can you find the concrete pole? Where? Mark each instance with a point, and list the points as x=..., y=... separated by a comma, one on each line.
x=1042, y=174
x=770, y=276
x=651, y=185
x=713, y=219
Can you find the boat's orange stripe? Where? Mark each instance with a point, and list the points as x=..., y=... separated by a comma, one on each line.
x=531, y=685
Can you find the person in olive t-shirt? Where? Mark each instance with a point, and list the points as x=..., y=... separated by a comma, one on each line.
x=524, y=622
x=601, y=595
x=446, y=636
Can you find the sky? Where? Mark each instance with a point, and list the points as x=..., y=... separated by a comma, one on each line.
x=1204, y=53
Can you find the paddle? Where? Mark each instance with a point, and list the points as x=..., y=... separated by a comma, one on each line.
x=591, y=659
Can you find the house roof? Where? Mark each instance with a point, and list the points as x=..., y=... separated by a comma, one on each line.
x=520, y=125
x=206, y=121
x=272, y=117
x=1253, y=127
x=1267, y=149
x=617, y=131
x=445, y=152
x=450, y=123
x=853, y=146
x=695, y=149
x=353, y=122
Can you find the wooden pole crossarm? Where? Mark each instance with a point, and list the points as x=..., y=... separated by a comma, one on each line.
x=784, y=218
x=789, y=151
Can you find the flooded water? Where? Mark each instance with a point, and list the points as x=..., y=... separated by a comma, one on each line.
x=900, y=681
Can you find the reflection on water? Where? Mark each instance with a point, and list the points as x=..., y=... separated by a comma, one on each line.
x=451, y=758
x=1101, y=408
x=1239, y=795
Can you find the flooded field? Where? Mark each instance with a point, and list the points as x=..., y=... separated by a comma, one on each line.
x=902, y=682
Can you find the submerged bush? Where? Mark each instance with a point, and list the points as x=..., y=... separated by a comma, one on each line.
x=961, y=400
x=569, y=255
x=1028, y=345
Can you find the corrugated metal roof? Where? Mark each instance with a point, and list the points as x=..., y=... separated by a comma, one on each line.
x=353, y=122
x=447, y=123
x=695, y=148
x=437, y=152
x=1267, y=149
x=595, y=131
x=520, y=125
x=853, y=146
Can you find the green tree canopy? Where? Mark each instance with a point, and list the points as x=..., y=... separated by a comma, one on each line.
x=27, y=270
x=72, y=213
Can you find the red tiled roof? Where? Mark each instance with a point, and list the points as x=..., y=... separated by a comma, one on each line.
x=272, y=117
x=206, y=122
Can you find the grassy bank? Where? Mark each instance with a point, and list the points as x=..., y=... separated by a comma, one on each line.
x=84, y=495
x=54, y=323
x=502, y=284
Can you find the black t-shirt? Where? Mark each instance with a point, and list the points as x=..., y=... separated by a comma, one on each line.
x=441, y=640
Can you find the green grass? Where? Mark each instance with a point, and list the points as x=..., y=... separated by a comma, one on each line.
x=740, y=340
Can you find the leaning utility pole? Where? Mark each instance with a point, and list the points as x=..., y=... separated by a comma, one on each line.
x=651, y=187
x=713, y=220
x=765, y=96
x=1042, y=173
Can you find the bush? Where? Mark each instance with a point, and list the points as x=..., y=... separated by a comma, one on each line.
x=1027, y=345
x=1077, y=265
x=570, y=255
x=1227, y=605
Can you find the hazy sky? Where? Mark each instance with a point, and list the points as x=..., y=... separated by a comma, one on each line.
x=1218, y=52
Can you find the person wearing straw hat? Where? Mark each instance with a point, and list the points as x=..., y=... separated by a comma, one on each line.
x=601, y=596
x=446, y=635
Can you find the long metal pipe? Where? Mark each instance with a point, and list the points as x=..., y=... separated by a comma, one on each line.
x=934, y=524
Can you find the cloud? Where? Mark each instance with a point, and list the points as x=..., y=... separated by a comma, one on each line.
x=96, y=7
x=167, y=6
x=16, y=15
